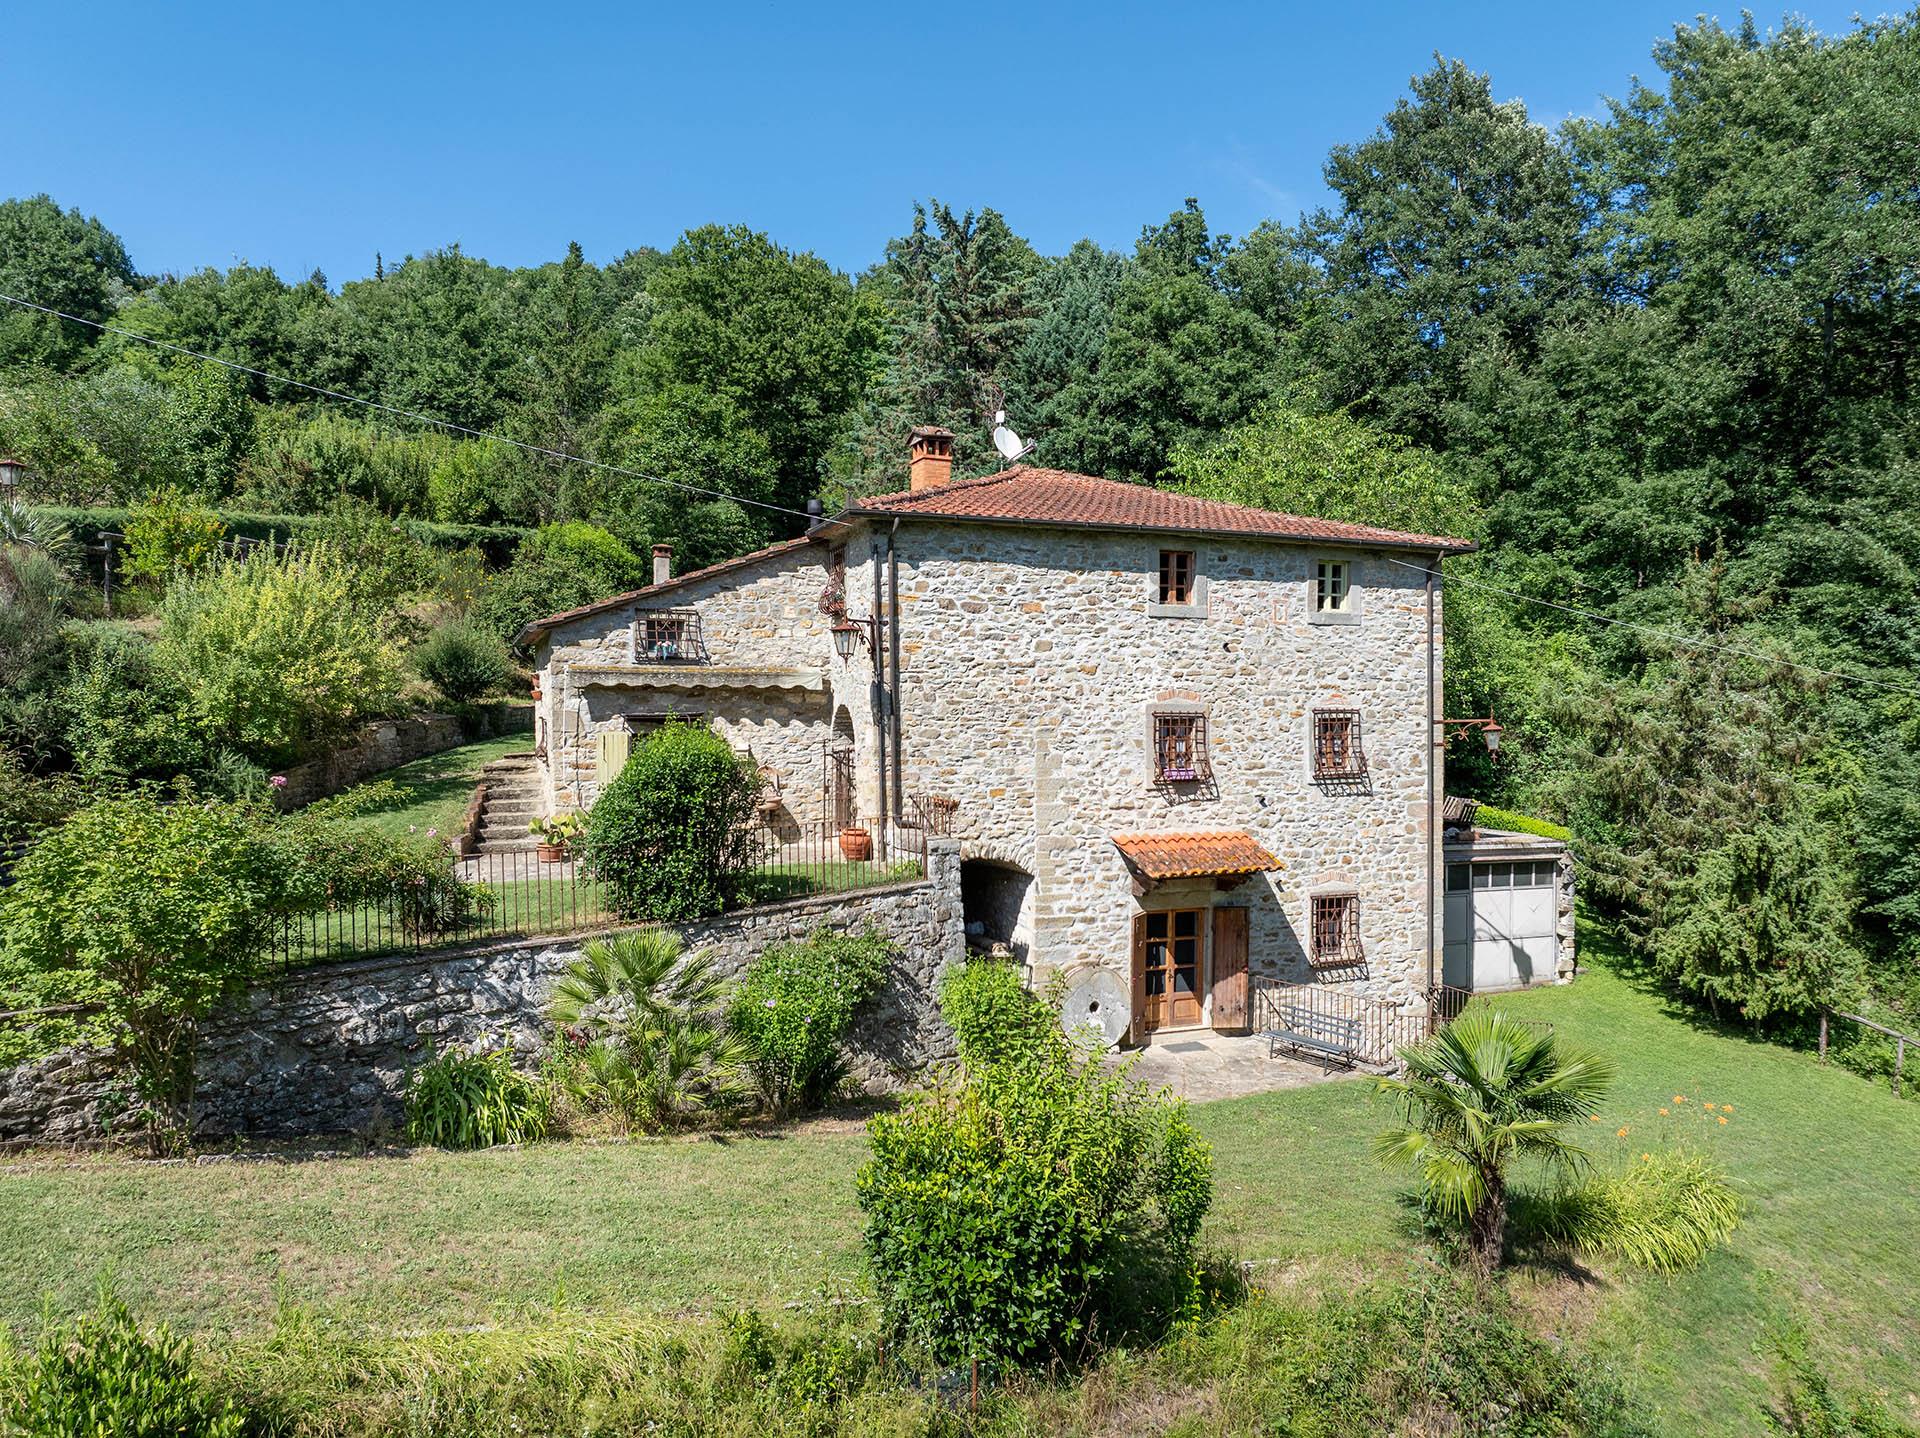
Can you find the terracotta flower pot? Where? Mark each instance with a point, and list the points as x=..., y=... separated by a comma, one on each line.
x=856, y=844
x=550, y=853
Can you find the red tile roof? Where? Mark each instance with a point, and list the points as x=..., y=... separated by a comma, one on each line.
x=1193, y=854
x=1026, y=495
x=534, y=627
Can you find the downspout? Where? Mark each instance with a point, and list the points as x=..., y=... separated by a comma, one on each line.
x=880, y=692
x=1434, y=807
x=893, y=659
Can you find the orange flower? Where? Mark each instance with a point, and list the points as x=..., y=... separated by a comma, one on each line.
x=1726, y=1108
x=1646, y=1158
x=1707, y=1106
x=1679, y=1098
x=1622, y=1133
x=1723, y=1119
x=1594, y=1116
x=1665, y=1111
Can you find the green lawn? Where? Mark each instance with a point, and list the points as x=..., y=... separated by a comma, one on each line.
x=1829, y=1164
x=432, y=793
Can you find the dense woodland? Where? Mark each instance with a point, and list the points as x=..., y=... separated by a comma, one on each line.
x=1662, y=365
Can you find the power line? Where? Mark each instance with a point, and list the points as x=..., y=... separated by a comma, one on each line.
x=446, y=424
x=1667, y=634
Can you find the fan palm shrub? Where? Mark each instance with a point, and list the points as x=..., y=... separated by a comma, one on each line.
x=651, y=1022
x=1485, y=1090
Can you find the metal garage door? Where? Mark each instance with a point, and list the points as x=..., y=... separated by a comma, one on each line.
x=1500, y=924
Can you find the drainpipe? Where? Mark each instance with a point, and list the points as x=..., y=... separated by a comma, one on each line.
x=1434, y=810
x=893, y=659
x=881, y=629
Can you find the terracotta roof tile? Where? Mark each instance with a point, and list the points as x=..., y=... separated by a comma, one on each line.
x=1193, y=854
x=1026, y=495
x=601, y=606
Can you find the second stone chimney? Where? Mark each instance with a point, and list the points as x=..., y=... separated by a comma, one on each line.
x=662, y=563
x=929, y=458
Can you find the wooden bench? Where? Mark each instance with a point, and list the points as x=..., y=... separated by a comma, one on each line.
x=1301, y=1029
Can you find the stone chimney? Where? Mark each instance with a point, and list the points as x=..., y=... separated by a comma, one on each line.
x=929, y=458
x=662, y=563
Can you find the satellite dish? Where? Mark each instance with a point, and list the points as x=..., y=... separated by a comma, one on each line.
x=1094, y=1012
x=1010, y=445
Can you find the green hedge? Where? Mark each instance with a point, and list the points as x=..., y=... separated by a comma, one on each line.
x=1488, y=816
x=497, y=542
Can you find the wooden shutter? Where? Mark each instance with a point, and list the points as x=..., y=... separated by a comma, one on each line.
x=1230, y=970
x=610, y=750
x=1137, y=1027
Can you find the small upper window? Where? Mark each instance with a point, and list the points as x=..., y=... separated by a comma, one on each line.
x=1179, y=748
x=1176, y=576
x=1332, y=587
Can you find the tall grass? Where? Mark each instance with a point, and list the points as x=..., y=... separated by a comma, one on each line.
x=475, y=1099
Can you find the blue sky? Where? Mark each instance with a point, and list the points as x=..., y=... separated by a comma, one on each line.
x=314, y=136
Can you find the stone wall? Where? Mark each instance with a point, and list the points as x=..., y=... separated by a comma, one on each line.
x=763, y=688
x=1033, y=662
x=388, y=742
x=327, y=1049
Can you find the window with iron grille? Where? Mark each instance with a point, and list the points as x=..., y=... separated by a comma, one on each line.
x=1337, y=753
x=668, y=636
x=1179, y=748
x=1176, y=576
x=1336, y=930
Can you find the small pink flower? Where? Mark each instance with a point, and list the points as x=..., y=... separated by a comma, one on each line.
x=411, y=828
x=432, y=832
x=279, y=781
x=769, y=1003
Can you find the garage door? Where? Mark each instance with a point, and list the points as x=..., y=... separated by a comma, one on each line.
x=1500, y=924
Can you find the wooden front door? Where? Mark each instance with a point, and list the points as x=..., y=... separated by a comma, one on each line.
x=1229, y=1008
x=1168, y=950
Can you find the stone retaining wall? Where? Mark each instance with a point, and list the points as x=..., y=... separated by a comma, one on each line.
x=327, y=1049
x=386, y=743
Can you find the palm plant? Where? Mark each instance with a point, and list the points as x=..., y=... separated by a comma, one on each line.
x=21, y=528
x=659, y=1050
x=1485, y=1090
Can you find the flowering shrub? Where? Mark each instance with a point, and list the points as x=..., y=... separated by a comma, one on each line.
x=793, y=1007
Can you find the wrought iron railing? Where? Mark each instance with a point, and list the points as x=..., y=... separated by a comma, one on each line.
x=668, y=636
x=521, y=896
x=1380, y=1027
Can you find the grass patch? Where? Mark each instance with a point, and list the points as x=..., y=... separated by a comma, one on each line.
x=1828, y=1165
x=432, y=793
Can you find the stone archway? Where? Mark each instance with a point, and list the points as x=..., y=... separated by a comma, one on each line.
x=842, y=804
x=996, y=900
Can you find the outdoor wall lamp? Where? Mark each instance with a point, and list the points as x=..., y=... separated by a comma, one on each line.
x=849, y=634
x=12, y=473
x=1489, y=728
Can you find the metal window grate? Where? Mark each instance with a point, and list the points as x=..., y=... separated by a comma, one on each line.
x=1336, y=931
x=1180, y=748
x=1337, y=751
x=668, y=636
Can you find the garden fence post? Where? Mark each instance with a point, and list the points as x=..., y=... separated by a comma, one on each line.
x=1823, y=1036
x=1899, y=1062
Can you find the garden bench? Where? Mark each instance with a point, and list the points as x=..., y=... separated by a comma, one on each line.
x=1300, y=1028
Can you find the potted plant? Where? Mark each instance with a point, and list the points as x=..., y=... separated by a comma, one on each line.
x=557, y=834
x=856, y=843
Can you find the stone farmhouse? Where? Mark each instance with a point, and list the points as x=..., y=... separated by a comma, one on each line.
x=1179, y=740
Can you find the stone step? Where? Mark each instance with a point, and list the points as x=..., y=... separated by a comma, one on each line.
x=528, y=806
x=491, y=832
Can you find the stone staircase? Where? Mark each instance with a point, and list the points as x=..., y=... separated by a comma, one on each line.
x=513, y=801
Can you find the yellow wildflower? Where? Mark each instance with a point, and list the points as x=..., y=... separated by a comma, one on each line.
x=1622, y=1133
